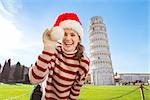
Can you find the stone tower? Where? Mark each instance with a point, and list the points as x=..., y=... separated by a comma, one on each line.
x=101, y=64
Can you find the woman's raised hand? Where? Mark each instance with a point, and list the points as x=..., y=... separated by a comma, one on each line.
x=51, y=36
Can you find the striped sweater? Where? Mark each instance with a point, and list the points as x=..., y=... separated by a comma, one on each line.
x=62, y=74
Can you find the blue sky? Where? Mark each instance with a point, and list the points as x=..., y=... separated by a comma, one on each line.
x=23, y=21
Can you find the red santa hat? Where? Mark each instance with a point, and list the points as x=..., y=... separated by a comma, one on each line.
x=67, y=20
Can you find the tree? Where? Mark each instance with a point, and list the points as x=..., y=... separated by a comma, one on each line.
x=27, y=81
x=5, y=71
x=0, y=67
x=0, y=72
x=22, y=73
x=17, y=73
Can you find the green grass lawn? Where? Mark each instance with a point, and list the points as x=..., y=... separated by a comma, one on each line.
x=15, y=92
x=88, y=92
x=108, y=92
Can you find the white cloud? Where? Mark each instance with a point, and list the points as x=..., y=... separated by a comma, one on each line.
x=10, y=6
x=14, y=46
x=14, y=43
x=2, y=9
x=10, y=36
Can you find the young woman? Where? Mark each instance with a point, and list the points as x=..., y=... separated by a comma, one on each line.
x=62, y=67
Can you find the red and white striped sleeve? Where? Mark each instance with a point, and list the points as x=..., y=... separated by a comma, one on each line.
x=40, y=69
x=80, y=79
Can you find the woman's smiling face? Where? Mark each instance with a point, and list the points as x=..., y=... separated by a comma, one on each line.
x=70, y=40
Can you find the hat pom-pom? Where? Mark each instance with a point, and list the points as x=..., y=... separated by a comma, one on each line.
x=57, y=33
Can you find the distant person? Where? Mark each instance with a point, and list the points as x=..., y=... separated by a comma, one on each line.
x=62, y=67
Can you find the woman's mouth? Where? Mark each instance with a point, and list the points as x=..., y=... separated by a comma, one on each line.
x=68, y=44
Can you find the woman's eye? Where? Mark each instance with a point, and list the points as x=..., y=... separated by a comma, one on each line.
x=72, y=34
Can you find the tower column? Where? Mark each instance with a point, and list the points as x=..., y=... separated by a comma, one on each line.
x=101, y=64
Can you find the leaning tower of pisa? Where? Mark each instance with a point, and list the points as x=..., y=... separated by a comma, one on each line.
x=101, y=64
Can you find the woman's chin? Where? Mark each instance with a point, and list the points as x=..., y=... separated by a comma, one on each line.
x=68, y=49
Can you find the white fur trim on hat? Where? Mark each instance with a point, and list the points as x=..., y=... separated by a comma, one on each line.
x=73, y=25
x=57, y=33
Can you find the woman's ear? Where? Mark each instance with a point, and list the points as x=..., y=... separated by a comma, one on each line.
x=79, y=41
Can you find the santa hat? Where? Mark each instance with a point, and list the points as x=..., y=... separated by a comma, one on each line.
x=67, y=20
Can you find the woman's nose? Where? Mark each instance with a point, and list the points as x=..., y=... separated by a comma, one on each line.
x=68, y=37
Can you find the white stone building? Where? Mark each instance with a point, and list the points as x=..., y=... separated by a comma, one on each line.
x=133, y=77
x=101, y=65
